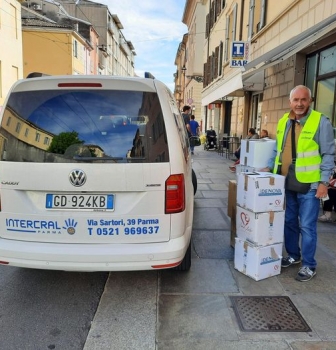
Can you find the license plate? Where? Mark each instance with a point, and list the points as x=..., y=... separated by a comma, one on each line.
x=79, y=201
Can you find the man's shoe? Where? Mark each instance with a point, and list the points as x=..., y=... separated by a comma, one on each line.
x=289, y=261
x=232, y=168
x=192, y=152
x=305, y=274
x=326, y=217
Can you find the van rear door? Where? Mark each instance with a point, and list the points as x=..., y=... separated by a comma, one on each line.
x=84, y=163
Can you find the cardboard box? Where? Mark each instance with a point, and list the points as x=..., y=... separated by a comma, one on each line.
x=260, y=192
x=257, y=262
x=232, y=197
x=256, y=152
x=260, y=228
x=240, y=168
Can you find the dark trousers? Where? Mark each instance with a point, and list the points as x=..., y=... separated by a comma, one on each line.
x=330, y=204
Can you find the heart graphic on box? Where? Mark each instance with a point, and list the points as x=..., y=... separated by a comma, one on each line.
x=245, y=219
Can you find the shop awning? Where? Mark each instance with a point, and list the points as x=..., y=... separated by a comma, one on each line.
x=254, y=82
x=223, y=87
x=290, y=47
x=233, y=85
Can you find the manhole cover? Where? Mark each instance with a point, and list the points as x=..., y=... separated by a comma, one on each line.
x=268, y=314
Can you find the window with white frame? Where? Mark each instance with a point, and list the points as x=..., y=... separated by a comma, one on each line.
x=75, y=48
x=230, y=35
x=257, y=17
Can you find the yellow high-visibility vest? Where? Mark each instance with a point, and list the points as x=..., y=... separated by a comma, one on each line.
x=308, y=158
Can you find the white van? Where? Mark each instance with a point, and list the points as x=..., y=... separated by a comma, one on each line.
x=95, y=175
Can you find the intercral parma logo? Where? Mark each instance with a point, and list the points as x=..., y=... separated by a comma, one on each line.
x=70, y=226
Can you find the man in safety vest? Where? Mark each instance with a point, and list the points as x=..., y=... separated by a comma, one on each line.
x=313, y=164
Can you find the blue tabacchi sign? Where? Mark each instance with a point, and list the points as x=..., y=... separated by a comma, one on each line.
x=239, y=53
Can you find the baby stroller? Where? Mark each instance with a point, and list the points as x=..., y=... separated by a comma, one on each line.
x=211, y=140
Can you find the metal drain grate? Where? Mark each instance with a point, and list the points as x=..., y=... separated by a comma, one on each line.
x=268, y=314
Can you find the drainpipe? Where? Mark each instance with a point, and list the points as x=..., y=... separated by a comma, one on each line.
x=208, y=50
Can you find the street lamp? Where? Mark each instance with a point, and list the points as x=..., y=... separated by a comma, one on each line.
x=183, y=69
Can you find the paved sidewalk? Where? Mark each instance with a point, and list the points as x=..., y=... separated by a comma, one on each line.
x=192, y=310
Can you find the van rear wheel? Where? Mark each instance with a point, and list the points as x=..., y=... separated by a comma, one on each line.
x=194, y=180
x=186, y=262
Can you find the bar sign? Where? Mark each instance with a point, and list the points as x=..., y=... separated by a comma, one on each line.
x=239, y=53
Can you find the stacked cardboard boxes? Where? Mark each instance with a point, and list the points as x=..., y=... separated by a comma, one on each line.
x=254, y=155
x=259, y=221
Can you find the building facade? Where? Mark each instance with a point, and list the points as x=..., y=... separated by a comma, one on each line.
x=191, y=62
x=11, y=46
x=116, y=53
x=56, y=42
x=256, y=51
x=60, y=48
x=179, y=76
x=296, y=47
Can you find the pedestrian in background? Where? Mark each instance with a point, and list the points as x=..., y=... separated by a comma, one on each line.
x=186, y=110
x=313, y=139
x=250, y=135
x=330, y=204
x=264, y=134
x=194, y=130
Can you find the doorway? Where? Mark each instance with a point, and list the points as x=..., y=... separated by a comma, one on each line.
x=227, y=117
x=255, y=115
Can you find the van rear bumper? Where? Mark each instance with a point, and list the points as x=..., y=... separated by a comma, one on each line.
x=93, y=257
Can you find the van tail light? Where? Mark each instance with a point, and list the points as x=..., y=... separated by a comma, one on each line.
x=175, y=194
x=166, y=266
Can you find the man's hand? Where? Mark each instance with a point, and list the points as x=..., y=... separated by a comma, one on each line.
x=322, y=191
x=267, y=170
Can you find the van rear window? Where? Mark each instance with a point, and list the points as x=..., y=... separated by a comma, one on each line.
x=83, y=126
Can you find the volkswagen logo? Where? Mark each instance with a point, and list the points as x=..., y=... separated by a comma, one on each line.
x=77, y=178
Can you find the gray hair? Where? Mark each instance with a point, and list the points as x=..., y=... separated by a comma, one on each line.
x=299, y=87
